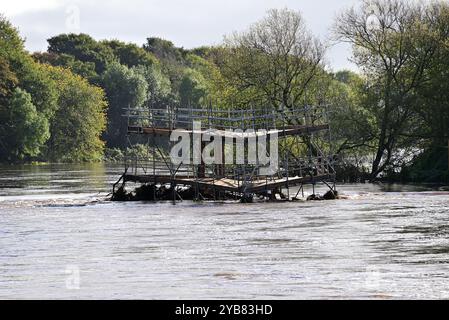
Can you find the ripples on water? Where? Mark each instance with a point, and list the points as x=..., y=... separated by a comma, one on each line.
x=55, y=222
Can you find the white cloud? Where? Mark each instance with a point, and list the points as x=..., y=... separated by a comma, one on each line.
x=15, y=7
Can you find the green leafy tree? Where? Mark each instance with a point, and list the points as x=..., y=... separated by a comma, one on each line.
x=84, y=69
x=172, y=59
x=29, y=74
x=130, y=54
x=8, y=79
x=23, y=81
x=24, y=130
x=37, y=82
x=394, y=52
x=192, y=89
x=125, y=88
x=210, y=80
x=159, y=92
x=11, y=43
x=165, y=50
x=433, y=97
x=79, y=121
x=353, y=125
x=84, y=48
x=274, y=61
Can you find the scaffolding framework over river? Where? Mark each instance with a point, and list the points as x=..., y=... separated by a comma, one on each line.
x=301, y=160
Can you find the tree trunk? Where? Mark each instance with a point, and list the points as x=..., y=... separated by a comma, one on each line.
x=381, y=147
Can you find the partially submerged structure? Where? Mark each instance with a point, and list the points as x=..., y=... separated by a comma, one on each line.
x=300, y=159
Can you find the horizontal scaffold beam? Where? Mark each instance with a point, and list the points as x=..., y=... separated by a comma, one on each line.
x=287, y=131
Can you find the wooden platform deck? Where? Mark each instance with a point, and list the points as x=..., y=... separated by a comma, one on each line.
x=226, y=184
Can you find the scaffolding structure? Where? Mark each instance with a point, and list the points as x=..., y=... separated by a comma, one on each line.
x=301, y=161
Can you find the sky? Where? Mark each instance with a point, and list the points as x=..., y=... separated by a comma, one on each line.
x=188, y=24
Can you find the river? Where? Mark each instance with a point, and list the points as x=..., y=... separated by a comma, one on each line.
x=60, y=239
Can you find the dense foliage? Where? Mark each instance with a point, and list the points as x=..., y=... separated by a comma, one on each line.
x=46, y=113
x=79, y=119
x=402, y=50
x=389, y=120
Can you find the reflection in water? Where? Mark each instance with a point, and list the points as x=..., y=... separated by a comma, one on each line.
x=56, y=230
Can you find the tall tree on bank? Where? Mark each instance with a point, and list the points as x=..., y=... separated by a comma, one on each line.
x=8, y=79
x=79, y=121
x=84, y=48
x=274, y=61
x=125, y=88
x=393, y=48
x=24, y=131
x=28, y=96
x=433, y=97
x=129, y=54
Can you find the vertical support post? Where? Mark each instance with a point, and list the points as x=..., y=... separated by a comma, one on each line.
x=202, y=166
x=242, y=115
x=222, y=170
x=173, y=185
x=286, y=155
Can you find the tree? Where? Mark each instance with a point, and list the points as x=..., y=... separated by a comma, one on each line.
x=130, y=54
x=8, y=79
x=210, y=79
x=192, y=89
x=34, y=78
x=125, y=88
x=165, y=50
x=433, y=97
x=83, y=69
x=431, y=127
x=27, y=72
x=84, y=48
x=24, y=130
x=10, y=45
x=79, y=121
x=28, y=98
x=353, y=125
x=159, y=92
x=274, y=61
x=10, y=41
x=172, y=59
x=394, y=52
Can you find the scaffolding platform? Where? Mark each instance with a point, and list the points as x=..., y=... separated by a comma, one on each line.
x=298, y=130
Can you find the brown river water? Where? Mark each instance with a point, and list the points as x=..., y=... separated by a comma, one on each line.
x=60, y=239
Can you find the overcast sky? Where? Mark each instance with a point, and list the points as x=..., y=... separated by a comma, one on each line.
x=187, y=24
